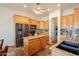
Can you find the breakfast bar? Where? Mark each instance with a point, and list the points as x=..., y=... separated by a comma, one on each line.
x=33, y=44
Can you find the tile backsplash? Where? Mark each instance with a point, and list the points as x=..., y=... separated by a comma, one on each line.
x=71, y=33
x=76, y=33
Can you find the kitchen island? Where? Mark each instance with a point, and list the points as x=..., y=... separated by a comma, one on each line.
x=33, y=44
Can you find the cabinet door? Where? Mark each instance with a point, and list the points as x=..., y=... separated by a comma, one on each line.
x=47, y=39
x=47, y=24
x=37, y=44
x=30, y=22
x=64, y=22
x=41, y=24
x=21, y=19
x=31, y=47
x=38, y=24
x=76, y=19
x=42, y=42
x=71, y=21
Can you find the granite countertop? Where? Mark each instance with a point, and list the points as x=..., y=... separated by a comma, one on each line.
x=36, y=36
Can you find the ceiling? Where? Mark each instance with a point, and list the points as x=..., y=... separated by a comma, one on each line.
x=30, y=6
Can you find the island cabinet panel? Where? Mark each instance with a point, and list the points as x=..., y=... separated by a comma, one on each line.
x=76, y=20
x=31, y=47
x=34, y=45
x=41, y=43
x=37, y=45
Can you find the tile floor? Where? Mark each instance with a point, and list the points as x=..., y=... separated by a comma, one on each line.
x=45, y=52
x=12, y=51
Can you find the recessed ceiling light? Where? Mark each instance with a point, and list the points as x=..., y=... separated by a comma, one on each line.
x=38, y=8
x=58, y=5
x=48, y=9
x=25, y=6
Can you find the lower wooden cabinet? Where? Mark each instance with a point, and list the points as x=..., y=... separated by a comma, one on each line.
x=32, y=46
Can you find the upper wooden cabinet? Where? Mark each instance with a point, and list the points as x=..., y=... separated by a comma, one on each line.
x=26, y=20
x=64, y=22
x=21, y=19
x=76, y=18
x=67, y=22
x=44, y=24
x=38, y=24
x=47, y=24
x=70, y=21
x=31, y=22
x=34, y=22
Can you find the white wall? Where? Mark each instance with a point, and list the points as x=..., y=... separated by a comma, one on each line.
x=56, y=13
x=7, y=24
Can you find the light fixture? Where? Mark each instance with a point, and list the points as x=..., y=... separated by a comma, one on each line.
x=25, y=6
x=48, y=9
x=38, y=10
x=58, y=5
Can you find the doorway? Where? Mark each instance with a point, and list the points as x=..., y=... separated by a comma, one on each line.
x=54, y=29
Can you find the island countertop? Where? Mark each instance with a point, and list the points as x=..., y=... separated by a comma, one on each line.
x=36, y=36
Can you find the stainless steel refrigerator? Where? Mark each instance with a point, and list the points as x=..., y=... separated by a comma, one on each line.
x=21, y=31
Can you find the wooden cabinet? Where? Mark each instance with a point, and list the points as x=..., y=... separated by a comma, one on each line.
x=70, y=21
x=47, y=24
x=41, y=25
x=64, y=22
x=42, y=42
x=31, y=46
x=21, y=19
x=76, y=18
x=37, y=23
x=67, y=21
x=34, y=22
x=38, y=45
x=47, y=39
x=44, y=24
x=26, y=20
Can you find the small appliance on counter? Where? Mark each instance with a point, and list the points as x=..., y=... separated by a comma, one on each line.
x=32, y=30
